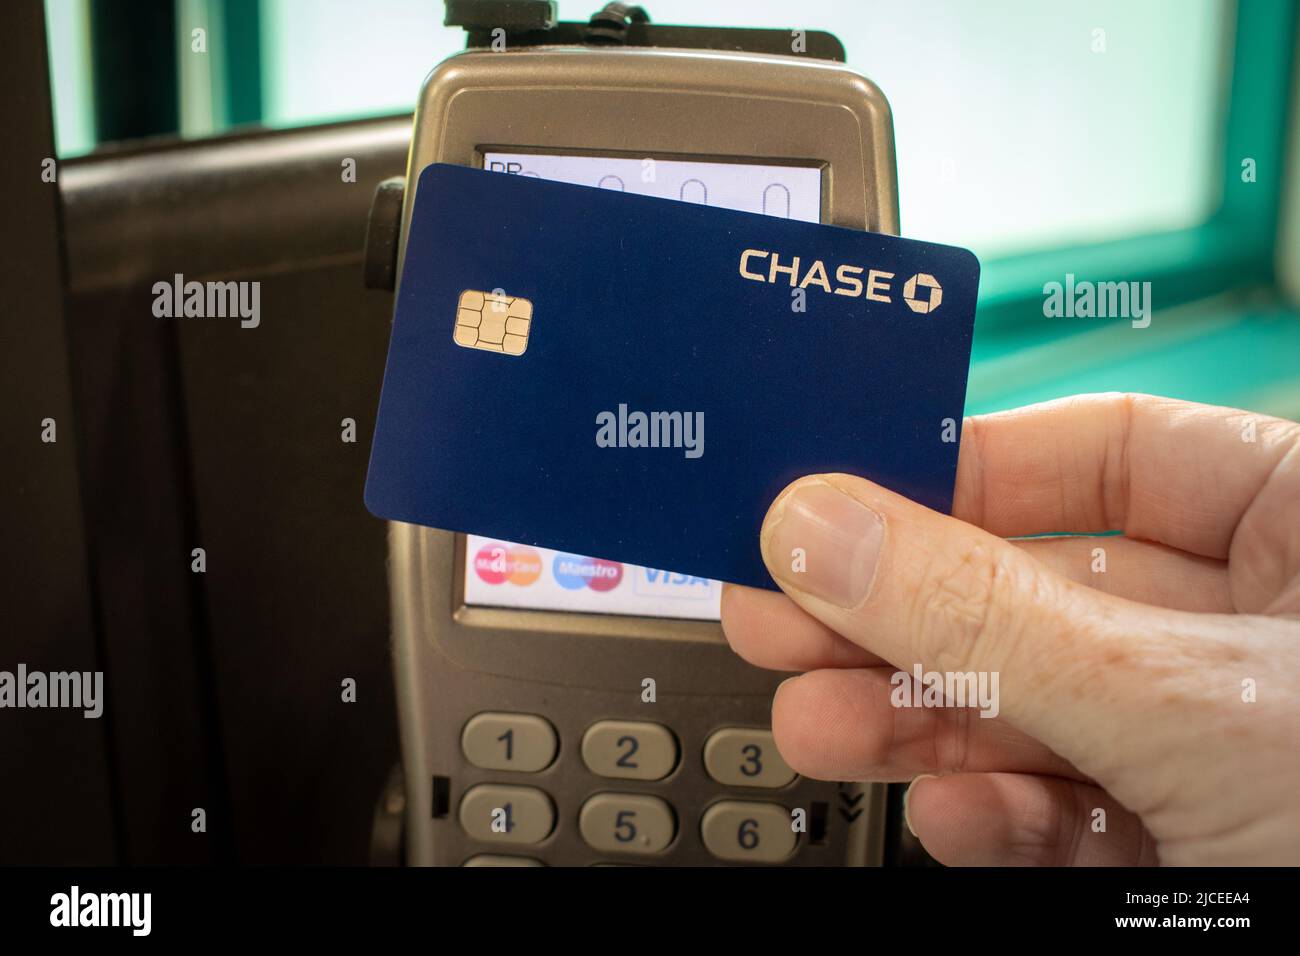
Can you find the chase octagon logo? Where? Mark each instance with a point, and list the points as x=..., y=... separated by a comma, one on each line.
x=924, y=302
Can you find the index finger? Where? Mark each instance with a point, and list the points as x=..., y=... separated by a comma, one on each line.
x=1159, y=469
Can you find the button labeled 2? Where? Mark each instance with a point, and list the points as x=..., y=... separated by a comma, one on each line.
x=499, y=741
x=632, y=750
x=498, y=814
x=746, y=757
x=627, y=823
x=748, y=832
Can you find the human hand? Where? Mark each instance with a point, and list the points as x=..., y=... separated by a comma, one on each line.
x=1163, y=689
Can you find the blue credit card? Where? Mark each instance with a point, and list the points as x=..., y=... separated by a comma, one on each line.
x=637, y=378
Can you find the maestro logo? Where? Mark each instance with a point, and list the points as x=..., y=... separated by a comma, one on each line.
x=499, y=563
x=573, y=571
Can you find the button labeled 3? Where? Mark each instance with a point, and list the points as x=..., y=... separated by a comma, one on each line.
x=497, y=814
x=746, y=757
x=633, y=750
x=500, y=741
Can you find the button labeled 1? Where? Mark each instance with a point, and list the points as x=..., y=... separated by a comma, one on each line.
x=748, y=832
x=745, y=757
x=633, y=750
x=498, y=814
x=499, y=741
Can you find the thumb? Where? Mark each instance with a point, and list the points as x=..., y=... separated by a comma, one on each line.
x=917, y=587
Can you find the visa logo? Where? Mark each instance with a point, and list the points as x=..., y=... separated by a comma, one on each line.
x=653, y=582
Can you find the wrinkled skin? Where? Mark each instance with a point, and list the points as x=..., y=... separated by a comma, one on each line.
x=1163, y=690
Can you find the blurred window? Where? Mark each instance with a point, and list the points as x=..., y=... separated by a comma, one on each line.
x=1019, y=124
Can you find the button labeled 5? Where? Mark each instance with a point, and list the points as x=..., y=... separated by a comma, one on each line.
x=627, y=823
x=500, y=741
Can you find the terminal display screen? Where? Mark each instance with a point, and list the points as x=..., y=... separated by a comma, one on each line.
x=504, y=574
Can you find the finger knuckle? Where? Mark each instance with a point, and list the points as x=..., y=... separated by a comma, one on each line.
x=965, y=614
x=952, y=741
x=799, y=735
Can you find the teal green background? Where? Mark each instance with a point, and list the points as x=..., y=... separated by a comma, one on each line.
x=1103, y=139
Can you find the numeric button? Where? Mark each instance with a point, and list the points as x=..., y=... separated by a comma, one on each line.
x=748, y=832
x=499, y=741
x=627, y=823
x=631, y=750
x=493, y=859
x=746, y=757
x=496, y=814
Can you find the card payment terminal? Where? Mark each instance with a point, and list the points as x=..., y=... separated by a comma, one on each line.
x=561, y=709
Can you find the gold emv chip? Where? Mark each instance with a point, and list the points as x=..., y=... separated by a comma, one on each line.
x=491, y=321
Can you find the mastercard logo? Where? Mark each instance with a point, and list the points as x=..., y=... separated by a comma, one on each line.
x=573, y=572
x=498, y=563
